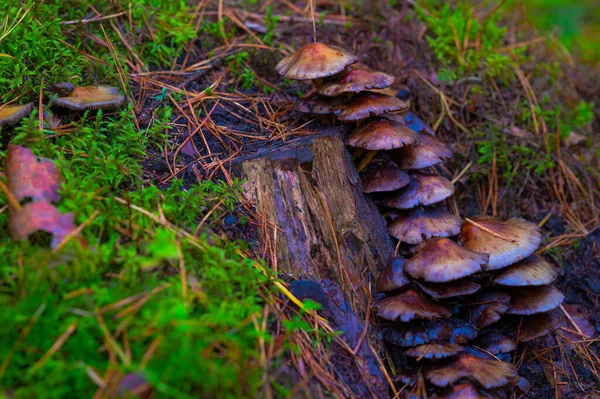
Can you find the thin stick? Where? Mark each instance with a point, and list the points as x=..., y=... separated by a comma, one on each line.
x=312, y=17
x=9, y=196
x=489, y=231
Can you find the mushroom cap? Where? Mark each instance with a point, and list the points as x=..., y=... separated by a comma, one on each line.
x=380, y=178
x=533, y=270
x=392, y=276
x=410, y=305
x=535, y=300
x=465, y=390
x=526, y=236
x=412, y=121
x=496, y=343
x=316, y=104
x=424, y=189
x=420, y=224
x=434, y=351
x=356, y=80
x=428, y=152
x=440, y=260
x=314, y=61
x=366, y=104
x=425, y=331
x=381, y=134
x=449, y=289
x=538, y=325
x=487, y=308
x=486, y=372
x=62, y=89
x=91, y=98
x=13, y=113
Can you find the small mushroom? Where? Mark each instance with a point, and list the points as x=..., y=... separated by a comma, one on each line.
x=384, y=177
x=354, y=81
x=466, y=391
x=449, y=289
x=421, y=332
x=381, y=134
x=434, y=351
x=61, y=89
x=91, y=98
x=315, y=61
x=496, y=343
x=424, y=189
x=419, y=224
x=393, y=276
x=428, y=152
x=440, y=260
x=317, y=105
x=533, y=270
x=535, y=300
x=538, y=325
x=487, y=308
x=507, y=241
x=10, y=114
x=410, y=305
x=485, y=372
x=366, y=104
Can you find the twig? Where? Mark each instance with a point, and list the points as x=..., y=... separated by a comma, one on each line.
x=489, y=231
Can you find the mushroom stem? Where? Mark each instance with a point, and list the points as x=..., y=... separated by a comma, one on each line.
x=318, y=82
x=366, y=161
x=356, y=153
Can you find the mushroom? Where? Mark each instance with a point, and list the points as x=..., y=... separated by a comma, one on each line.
x=485, y=372
x=421, y=332
x=535, y=300
x=496, y=343
x=315, y=61
x=449, y=289
x=381, y=134
x=538, y=325
x=533, y=270
x=393, y=276
x=91, y=98
x=384, y=177
x=420, y=224
x=316, y=104
x=507, y=241
x=424, y=189
x=434, y=351
x=354, y=81
x=410, y=305
x=428, y=152
x=487, y=308
x=366, y=104
x=465, y=391
x=440, y=260
x=10, y=114
x=61, y=89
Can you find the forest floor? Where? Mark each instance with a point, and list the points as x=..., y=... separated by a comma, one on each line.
x=172, y=266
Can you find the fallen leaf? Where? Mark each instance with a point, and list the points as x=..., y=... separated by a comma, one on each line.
x=30, y=178
x=40, y=216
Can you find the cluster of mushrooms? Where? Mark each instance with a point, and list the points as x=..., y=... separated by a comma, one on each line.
x=453, y=309
x=80, y=98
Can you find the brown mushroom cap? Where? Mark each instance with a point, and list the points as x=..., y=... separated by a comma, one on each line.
x=11, y=114
x=487, y=308
x=486, y=372
x=465, y=391
x=440, y=260
x=424, y=189
x=91, y=98
x=410, y=305
x=392, y=276
x=366, y=104
x=434, y=351
x=430, y=151
x=356, y=80
x=538, y=325
x=533, y=300
x=526, y=238
x=420, y=224
x=380, y=178
x=449, y=289
x=316, y=104
x=533, y=270
x=381, y=134
x=315, y=61
x=496, y=343
x=425, y=331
